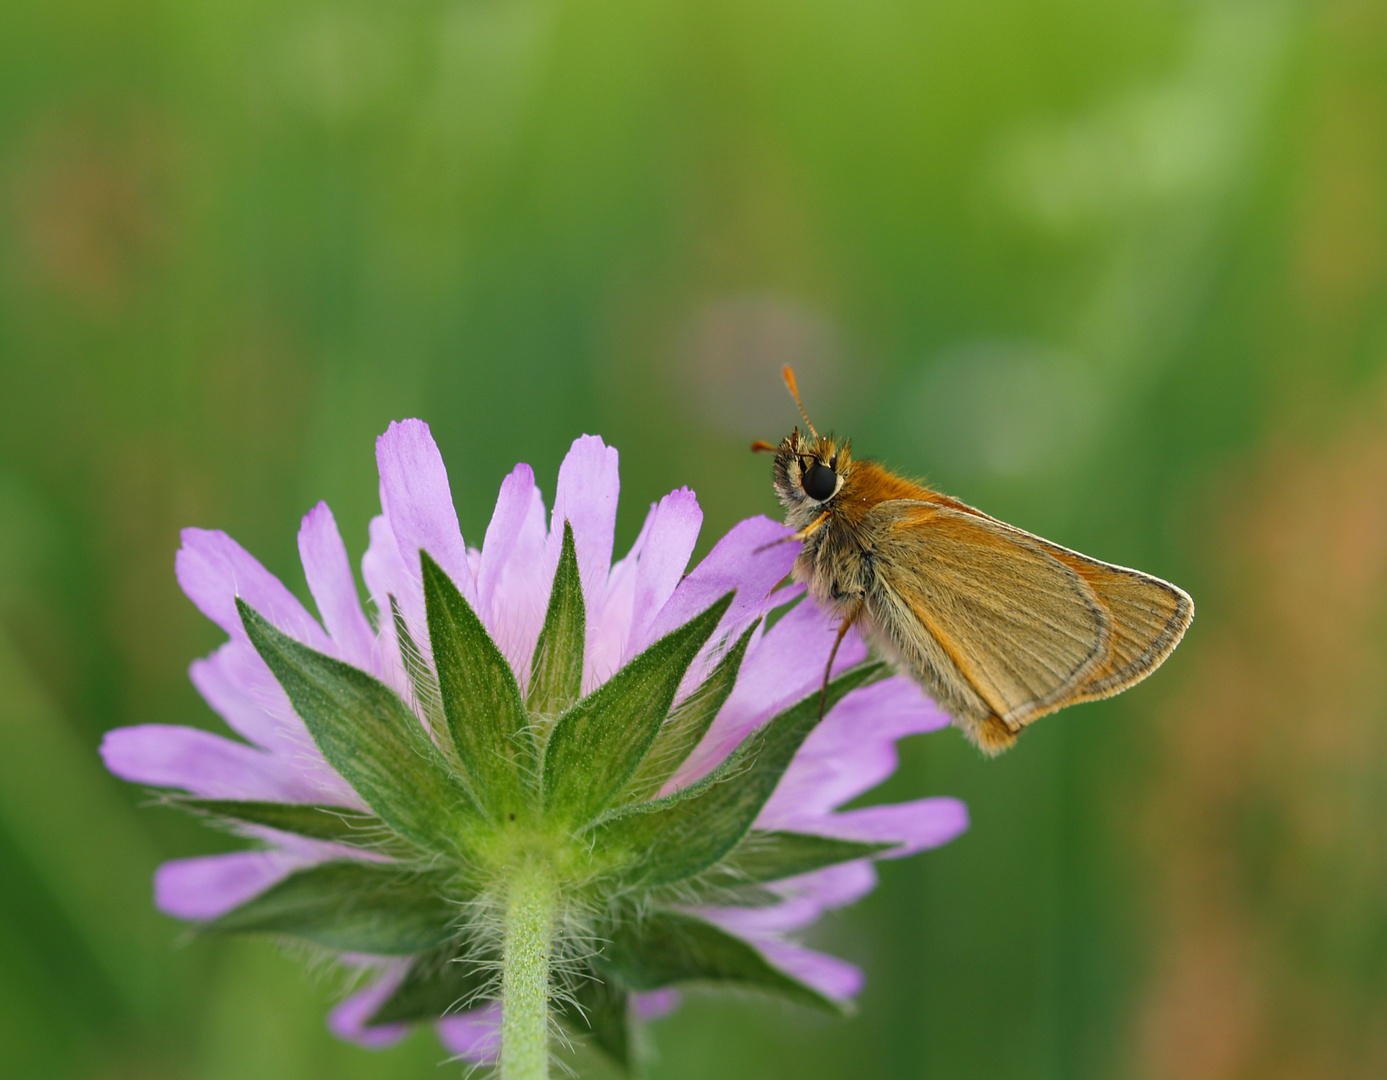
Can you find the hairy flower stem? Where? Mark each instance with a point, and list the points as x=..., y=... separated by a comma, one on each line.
x=525, y=975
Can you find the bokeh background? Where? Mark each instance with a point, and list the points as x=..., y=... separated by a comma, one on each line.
x=1114, y=272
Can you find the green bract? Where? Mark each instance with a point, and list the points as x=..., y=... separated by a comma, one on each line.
x=503, y=817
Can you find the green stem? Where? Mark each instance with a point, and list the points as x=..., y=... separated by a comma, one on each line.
x=525, y=975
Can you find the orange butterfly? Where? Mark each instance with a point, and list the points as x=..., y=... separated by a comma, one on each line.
x=999, y=626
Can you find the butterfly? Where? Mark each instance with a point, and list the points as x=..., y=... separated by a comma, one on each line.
x=999, y=626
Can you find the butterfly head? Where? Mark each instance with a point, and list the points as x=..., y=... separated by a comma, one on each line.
x=810, y=471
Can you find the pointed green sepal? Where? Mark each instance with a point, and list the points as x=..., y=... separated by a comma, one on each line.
x=369, y=736
x=556, y=671
x=709, y=889
x=675, y=838
x=772, y=856
x=669, y=947
x=481, y=699
x=599, y=1010
x=355, y=907
x=334, y=824
x=598, y=743
x=687, y=724
x=436, y=984
x=425, y=686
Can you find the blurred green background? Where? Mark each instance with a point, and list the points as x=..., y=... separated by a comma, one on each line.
x=1114, y=272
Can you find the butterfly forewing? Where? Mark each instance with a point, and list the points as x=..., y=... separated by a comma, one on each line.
x=1149, y=616
x=983, y=615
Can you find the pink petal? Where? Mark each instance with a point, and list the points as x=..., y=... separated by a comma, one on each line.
x=814, y=785
x=834, y=978
x=608, y=629
x=806, y=898
x=854, y=748
x=204, y=764
x=418, y=504
x=655, y=1003
x=384, y=571
x=917, y=825
x=751, y=559
x=762, y=928
x=786, y=666
x=214, y=570
x=887, y=710
x=521, y=596
x=348, y=1019
x=828, y=888
x=306, y=849
x=330, y=580
x=672, y=531
x=788, y=663
x=238, y=685
x=741, y=560
x=207, y=886
x=586, y=498
x=507, y=520
x=474, y=1035
x=512, y=586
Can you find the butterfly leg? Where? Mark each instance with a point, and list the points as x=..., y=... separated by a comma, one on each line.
x=851, y=617
x=813, y=527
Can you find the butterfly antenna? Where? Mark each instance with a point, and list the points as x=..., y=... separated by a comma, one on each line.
x=788, y=374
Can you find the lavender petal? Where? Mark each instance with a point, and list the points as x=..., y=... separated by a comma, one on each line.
x=586, y=498
x=834, y=978
x=507, y=520
x=805, y=898
x=348, y=1019
x=609, y=629
x=239, y=687
x=747, y=559
x=785, y=666
x=418, y=503
x=213, y=570
x=520, y=595
x=474, y=1035
x=386, y=576
x=330, y=580
x=204, y=764
x=852, y=750
x=207, y=886
x=671, y=534
x=916, y=826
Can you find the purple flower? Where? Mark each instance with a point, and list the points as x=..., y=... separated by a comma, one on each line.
x=623, y=800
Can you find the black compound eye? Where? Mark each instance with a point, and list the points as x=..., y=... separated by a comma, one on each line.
x=820, y=482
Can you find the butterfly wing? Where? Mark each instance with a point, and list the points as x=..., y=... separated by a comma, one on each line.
x=1149, y=616
x=994, y=625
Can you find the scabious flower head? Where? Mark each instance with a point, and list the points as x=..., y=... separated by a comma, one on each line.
x=539, y=783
